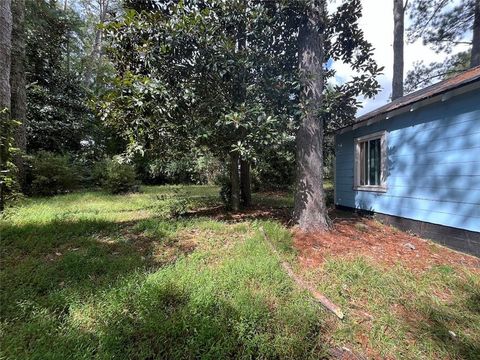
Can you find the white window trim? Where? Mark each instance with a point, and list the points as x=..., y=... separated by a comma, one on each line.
x=382, y=135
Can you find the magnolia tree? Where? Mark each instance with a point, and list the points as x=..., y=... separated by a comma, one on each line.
x=238, y=77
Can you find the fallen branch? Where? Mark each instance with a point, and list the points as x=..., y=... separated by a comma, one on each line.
x=301, y=283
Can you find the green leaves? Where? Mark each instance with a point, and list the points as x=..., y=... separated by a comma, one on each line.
x=180, y=71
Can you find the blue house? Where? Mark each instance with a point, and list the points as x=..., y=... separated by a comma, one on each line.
x=415, y=163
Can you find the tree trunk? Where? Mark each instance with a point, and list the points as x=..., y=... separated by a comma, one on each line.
x=5, y=60
x=310, y=211
x=475, y=59
x=245, y=183
x=398, y=32
x=17, y=85
x=96, y=53
x=235, y=181
x=239, y=100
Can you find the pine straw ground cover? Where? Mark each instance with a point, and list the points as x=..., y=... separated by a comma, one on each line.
x=404, y=297
x=90, y=275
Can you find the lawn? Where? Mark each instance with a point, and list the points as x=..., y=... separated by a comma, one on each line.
x=91, y=275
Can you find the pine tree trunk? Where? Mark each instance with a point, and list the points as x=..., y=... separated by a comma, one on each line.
x=398, y=33
x=245, y=183
x=310, y=212
x=235, y=181
x=475, y=59
x=5, y=60
x=17, y=85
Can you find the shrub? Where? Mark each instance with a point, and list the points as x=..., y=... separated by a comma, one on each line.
x=119, y=177
x=274, y=169
x=225, y=190
x=172, y=208
x=99, y=169
x=53, y=174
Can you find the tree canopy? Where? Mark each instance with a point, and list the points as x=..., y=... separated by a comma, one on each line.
x=441, y=25
x=181, y=68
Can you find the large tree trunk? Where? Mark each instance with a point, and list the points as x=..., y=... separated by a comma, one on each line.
x=245, y=183
x=5, y=60
x=398, y=32
x=17, y=84
x=475, y=59
x=310, y=211
x=235, y=181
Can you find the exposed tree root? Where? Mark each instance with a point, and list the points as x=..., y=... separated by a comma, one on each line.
x=304, y=285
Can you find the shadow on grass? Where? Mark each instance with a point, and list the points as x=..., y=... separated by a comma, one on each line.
x=438, y=326
x=167, y=324
x=46, y=261
x=453, y=326
x=85, y=289
x=253, y=213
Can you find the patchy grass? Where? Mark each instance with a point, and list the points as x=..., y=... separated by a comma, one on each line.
x=91, y=275
x=394, y=313
x=418, y=302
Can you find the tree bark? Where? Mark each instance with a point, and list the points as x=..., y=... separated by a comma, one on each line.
x=310, y=211
x=235, y=181
x=17, y=85
x=5, y=61
x=239, y=100
x=475, y=59
x=398, y=33
x=245, y=183
x=96, y=53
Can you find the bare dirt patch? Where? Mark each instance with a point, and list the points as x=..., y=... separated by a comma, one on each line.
x=353, y=235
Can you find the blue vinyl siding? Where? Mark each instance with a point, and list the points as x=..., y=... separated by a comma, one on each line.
x=433, y=161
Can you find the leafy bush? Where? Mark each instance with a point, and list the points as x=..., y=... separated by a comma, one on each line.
x=274, y=169
x=53, y=174
x=189, y=168
x=9, y=186
x=118, y=177
x=225, y=190
x=170, y=206
x=329, y=197
x=98, y=172
x=173, y=207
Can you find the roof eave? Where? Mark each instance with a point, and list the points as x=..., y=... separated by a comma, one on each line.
x=443, y=96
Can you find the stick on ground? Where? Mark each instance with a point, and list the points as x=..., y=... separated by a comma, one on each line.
x=304, y=285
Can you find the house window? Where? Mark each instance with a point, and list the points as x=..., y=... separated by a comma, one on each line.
x=370, y=162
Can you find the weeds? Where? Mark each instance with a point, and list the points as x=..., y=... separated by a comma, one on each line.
x=93, y=275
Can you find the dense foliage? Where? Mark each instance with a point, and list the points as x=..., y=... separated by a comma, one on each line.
x=53, y=174
x=119, y=177
x=9, y=184
x=223, y=75
x=57, y=112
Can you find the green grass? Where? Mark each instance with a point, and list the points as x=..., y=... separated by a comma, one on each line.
x=396, y=313
x=91, y=275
